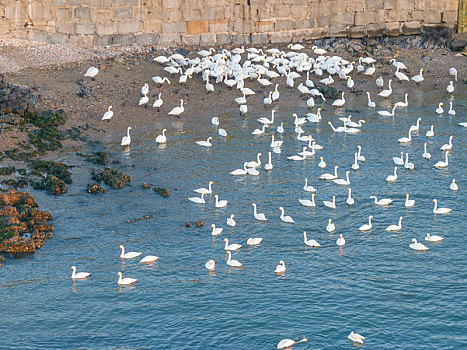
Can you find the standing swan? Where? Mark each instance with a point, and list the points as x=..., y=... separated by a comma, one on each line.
x=370, y=102
x=162, y=138
x=109, y=114
x=177, y=110
x=126, y=140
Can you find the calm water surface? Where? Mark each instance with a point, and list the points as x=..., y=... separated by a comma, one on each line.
x=375, y=284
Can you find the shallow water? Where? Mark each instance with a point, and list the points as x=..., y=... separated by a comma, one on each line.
x=374, y=285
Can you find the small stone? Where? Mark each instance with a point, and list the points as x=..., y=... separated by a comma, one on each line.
x=162, y=191
x=199, y=223
x=95, y=189
x=145, y=185
x=187, y=224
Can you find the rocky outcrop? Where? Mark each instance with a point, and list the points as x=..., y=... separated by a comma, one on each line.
x=112, y=177
x=23, y=227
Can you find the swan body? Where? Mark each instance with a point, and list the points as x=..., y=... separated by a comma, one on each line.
x=398, y=64
x=407, y=164
x=143, y=100
x=453, y=71
x=310, y=102
x=280, y=128
x=370, y=70
x=288, y=343
x=206, y=143
x=254, y=241
x=443, y=164
x=329, y=204
x=222, y=132
x=418, y=78
x=440, y=109
x=256, y=163
x=406, y=139
x=280, y=268
x=343, y=182
x=149, y=259
x=356, y=338
x=265, y=120
x=433, y=238
x=350, y=200
x=258, y=216
x=198, y=200
x=370, y=102
x=158, y=80
x=285, y=218
x=379, y=82
x=109, y=114
x=126, y=140
x=231, y=220
x=268, y=100
x=216, y=231
x=447, y=146
x=158, y=102
x=339, y=102
x=399, y=161
x=453, y=185
x=79, y=275
x=360, y=158
x=275, y=94
x=451, y=111
x=330, y=226
x=210, y=265
x=233, y=263
x=241, y=100
x=240, y=171
x=416, y=127
x=401, y=76
x=307, y=202
x=145, y=89
x=328, y=176
x=275, y=143
x=417, y=246
x=450, y=88
x=426, y=154
x=388, y=92
x=392, y=178
x=232, y=246
x=367, y=227
x=91, y=72
x=243, y=109
x=215, y=121
x=297, y=157
x=129, y=255
x=314, y=118
x=409, y=202
x=338, y=129
x=430, y=133
x=162, y=138
x=403, y=104
x=310, y=242
x=177, y=110
x=220, y=204
x=340, y=241
x=398, y=227
x=307, y=187
x=437, y=210
x=125, y=281
x=322, y=163
x=381, y=202
x=388, y=114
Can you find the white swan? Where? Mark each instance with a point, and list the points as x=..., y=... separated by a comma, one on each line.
x=370, y=102
x=388, y=92
x=210, y=265
x=403, y=104
x=215, y=121
x=232, y=246
x=397, y=64
x=216, y=231
x=367, y=227
x=307, y=187
x=426, y=154
x=386, y=113
x=91, y=72
x=220, y=204
x=275, y=143
x=314, y=118
x=209, y=86
x=280, y=128
x=197, y=200
x=350, y=200
x=418, y=78
x=126, y=140
x=407, y=164
x=241, y=100
x=443, y=164
x=269, y=165
x=398, y=227
x=158, y=80
x=453, y=185
x=447, y=146
x=265, y=120
x=453, y=71
x=328, y=176
x=222, y=132
x=322, y=163
x=430, y=133
x=433, y=238
x=143, y=100
x=370, y=70
x=256, y=163
x=338, y=129
x=401, y=76
x=205, y=190
x=409, y=202
x=340, y=241
x=231, y=220
x=450, y=88
x=79, y=275
x=206, y=143
x=416, y=127
x=310, y=242
x=254, y=241
x=380, y=82
x=288, y=343
x=437, y=210
x=109, y=114
x=406, y=139
x=145, y=89
x=280, y=268
x=149, y=259
x=392, y=178
x=329, y=204
x=307, y=202
x=339, y=102
x=243, y=110
x=258, y=216
x=381, y=202
x=177, y=110
x=158, y=102
x=359, y=156
x=356, y=338
x=285, y=218
x=298, y=157
x=268, y=100
x=125, y=281
x=451, y=111
x=310, y=102
x=330, y=227
x=240, y=171
x=129, y=255
x=440, y=109
x=399, y=160
x=161, y=138
x=343, y=182
x=417, y=246
x=233, y=263
x=275, y=94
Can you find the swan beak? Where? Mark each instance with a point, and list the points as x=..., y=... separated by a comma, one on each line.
x=169, y=82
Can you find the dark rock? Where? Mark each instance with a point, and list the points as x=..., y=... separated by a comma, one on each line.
x=112, y=177
x=2, y=259
x=8, y=170
x=48, y=118
x=59, y=170
x=95, y=189
x=96, y=157
x=162, y=191
x=458, y=44
x=20, y=183
x=46, y=139
x=145, y=185
x=328, y=91
x=52, y=184
x=188, y=224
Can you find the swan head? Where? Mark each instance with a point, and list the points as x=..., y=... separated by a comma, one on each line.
x=248, y=242
x=330, y=220
x=130, y=128
x=110, y=108
x=371, y=197
x=453, y=180
x=121, y=247
x=347, y=172
x=414, y=240
x=232, y=216
x=407, y=195
x=392, y=60
x=225, y=239
x=434, y=200
x=216, y=196
x=370, y=217
x=281, y=262
x=73, y=267
x=209, y=138
x=213, y=226
x=119, y=274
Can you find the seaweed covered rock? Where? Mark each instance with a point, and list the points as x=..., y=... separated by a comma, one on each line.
x=162, y=191
x=96, y=157
x=48, y=118
x=51, y=184
x=59, y=170
x=23, y=227
x=46, y=139
x=95, y=189
x=112, y=177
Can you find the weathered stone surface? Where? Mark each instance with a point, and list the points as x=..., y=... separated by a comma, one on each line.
x=375, y=30
x=410, y=28
x=123, y=12
x=280, y=37
x=357, y=32
x=393, y=29
x=84, y=28
x=82, y=13
x=223, y=39
x=259, y=39
x=191, y=40
x=196, y=27
x=207, y=39
x=337, y=31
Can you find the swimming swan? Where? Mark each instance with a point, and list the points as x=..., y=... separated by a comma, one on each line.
x=285, y=218
x=310, y=242
x=367, y=227
x=125, y=281
x=129, y=255
x=79, y=275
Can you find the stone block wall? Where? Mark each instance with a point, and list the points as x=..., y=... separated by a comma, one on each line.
x=217, y=22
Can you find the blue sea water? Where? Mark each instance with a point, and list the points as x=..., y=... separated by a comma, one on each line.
x=374, y=285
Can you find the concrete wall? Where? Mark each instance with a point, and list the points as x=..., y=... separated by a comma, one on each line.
x=210, y=22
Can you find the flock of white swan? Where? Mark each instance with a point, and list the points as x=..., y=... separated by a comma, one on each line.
x=240, y=66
